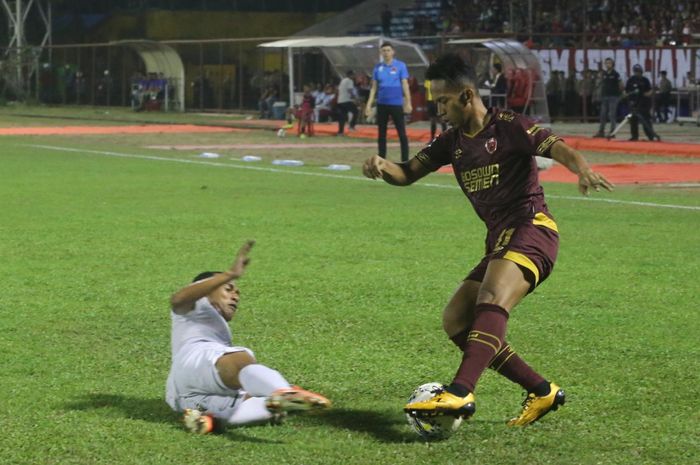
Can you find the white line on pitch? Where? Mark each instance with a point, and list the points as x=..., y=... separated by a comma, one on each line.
x=337, y=176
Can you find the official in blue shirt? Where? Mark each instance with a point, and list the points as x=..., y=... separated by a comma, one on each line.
x=390, y=87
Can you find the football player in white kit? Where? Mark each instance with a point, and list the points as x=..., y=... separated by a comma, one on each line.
x=213, y=382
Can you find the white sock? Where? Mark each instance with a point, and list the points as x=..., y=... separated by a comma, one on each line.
x=251, y=410
x=260, y=381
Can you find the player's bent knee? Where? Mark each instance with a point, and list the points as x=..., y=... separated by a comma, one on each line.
x=456, y=319
x=450, y=327
x=229, y=365
x=235, y=360
x=486, y=296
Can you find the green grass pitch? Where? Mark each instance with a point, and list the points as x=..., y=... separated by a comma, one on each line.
x=343, y=295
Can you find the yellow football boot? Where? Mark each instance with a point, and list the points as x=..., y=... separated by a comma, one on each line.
x=535, y=407
x=444, y=403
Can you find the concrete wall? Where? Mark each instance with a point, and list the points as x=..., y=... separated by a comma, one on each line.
x=172, y=25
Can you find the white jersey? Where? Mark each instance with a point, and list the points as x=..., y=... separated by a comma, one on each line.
x=198, y=339
x=346, y=90
x=204, y=323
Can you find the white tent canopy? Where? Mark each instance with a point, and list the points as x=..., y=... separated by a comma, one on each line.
x=161, y=58
x=359, y=54
x=513, y=56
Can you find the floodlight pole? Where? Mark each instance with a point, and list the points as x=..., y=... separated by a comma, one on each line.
x=46, y=17
x=17, y=12
x=290, y=69
x=15, y=26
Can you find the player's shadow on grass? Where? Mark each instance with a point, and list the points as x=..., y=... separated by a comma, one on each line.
x=152, y=410
x=384, y=426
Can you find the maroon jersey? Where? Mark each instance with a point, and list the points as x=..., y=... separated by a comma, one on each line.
x=496, y=168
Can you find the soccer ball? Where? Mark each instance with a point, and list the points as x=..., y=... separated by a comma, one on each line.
x=435, y=427
x=281, y=132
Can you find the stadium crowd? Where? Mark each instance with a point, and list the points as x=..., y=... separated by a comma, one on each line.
x=611, y=23
x=569, y=96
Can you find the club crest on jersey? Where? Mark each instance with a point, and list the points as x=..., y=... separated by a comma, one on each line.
x=458, y=154
x=491, y=145
x=506, y=116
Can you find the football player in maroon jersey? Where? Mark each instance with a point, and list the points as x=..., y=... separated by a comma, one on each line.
x=492, y=153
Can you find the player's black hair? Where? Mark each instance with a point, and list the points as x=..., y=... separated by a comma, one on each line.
x=350, y=73
x=498, y=67
x=205, y=275
x=451, y=68
x=386, y=44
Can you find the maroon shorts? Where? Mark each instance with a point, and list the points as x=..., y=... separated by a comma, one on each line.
x=532, y=246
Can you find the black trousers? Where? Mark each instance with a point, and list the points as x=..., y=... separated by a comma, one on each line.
x=641, y=114
x=396, y=113
x=662, y=108
x=343, y=110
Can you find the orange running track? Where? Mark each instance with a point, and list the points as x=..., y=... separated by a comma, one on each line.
x=621, y=173
x=580, y=143
x=89, y=130
x=632, y=173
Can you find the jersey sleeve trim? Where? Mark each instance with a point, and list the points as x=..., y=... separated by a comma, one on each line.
x=425, y=160
x=546, y=145
x=506, y=115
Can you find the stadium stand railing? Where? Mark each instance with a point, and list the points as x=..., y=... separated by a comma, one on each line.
x=355, y=19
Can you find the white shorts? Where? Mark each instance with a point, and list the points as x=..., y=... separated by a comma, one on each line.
x=194, y=381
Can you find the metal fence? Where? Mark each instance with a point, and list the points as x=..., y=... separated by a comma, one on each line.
x=233, y=74
x=219, y=75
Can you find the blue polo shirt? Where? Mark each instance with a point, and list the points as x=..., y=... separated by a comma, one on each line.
x=388, y=77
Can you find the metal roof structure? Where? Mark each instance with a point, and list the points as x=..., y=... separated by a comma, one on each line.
x=514, y=56
x=359, y=53
x=161, y=58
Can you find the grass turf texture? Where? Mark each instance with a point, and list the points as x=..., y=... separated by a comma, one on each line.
x=343, y=296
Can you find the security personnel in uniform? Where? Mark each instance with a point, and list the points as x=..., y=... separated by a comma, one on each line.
x=638, y=92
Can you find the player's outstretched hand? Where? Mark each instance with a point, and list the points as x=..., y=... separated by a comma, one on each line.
x=242, y=260
x=373, y=167
x=590, y=179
